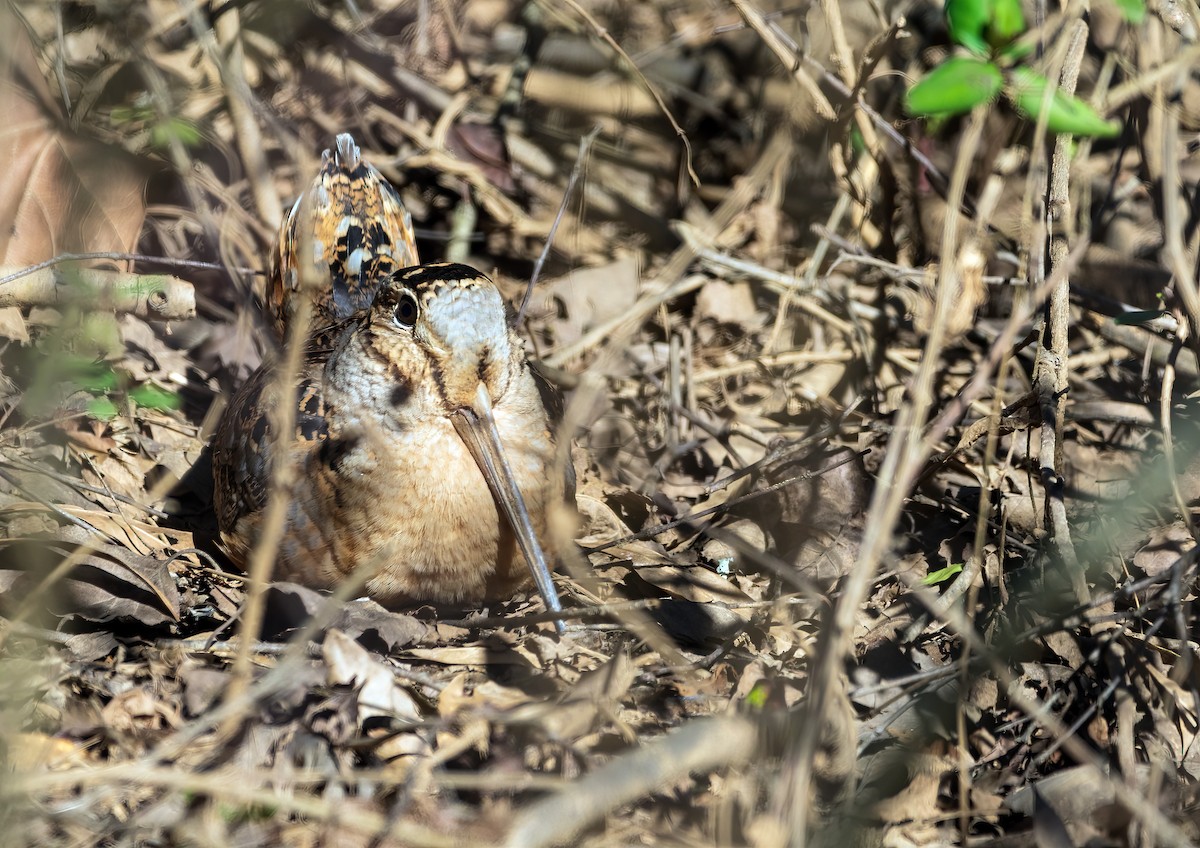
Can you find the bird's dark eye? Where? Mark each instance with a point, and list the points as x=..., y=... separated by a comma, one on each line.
x=406, y=310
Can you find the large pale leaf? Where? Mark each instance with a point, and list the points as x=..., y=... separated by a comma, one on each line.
x=60, y=192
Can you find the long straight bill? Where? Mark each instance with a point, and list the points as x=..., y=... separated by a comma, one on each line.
x=477, y=428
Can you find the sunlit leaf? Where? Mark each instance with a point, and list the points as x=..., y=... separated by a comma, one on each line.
x=1133, y=11
x=856, y=141
x=97, y=381
x=1066, y=113
x=957, y=85
x=174, y=129
x=83, y=372
x=757, y=697
x=967, y=20
x=102, y=408
x=1007, y=22
x=984, y=25
x=240, y=813
x=942, y=574
x=1015, y=50
x=152, y=397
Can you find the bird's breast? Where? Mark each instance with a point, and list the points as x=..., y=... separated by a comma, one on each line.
x=411, y=506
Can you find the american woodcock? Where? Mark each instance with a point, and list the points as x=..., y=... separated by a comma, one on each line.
x=423, y=449
x=354, y=225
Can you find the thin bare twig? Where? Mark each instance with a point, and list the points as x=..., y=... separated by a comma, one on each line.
x=605, y=36
x=1051, y=371
x=9, y=276
x=669, y=286
x=282, y=418
x=904, y=454
x=585, y=145
x=228, y=31
x=771, y=35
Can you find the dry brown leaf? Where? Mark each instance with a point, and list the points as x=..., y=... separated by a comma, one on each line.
x=729, y=303
x=109, y=583
x=62, y=193
x=290, y=605
x=695, y=584
x=1163, y=549
x=1076, y=795
x=590, y=296
x=121, y=472
x=91, y=647
x=348, y=663
x=592, y=698
x=376, y=692
x=603, y=527
x=462, y=695
x=817, y=518
x=138, y=715
x=911, y=794
x=202, y=686
x=147, y=355
x=141, y=536
x=687, y=621
x=29, y=752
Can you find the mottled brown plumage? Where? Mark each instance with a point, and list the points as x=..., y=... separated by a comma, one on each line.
x=422, y=448
x=358, y=230
x=387, y=472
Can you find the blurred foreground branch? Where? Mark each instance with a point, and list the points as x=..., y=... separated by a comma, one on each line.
x=156, y=296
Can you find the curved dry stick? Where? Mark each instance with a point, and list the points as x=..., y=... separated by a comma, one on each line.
x=701, y=745
x=905, y=453
x=607, y=38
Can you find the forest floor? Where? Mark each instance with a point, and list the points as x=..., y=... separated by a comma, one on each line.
x=884, y=430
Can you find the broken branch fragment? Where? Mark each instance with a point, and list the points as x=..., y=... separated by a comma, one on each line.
x=156, y=296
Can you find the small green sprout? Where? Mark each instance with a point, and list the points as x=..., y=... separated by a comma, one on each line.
x=989, y=30
x=942, y=574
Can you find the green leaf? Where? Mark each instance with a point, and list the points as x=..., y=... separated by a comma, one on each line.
x=243, y=813
x=1139, y=317
x=757, y=697
x=957, y=85
x=183, y=131
x=984, y=25
x=1015, y=51
x=1066, y=113
x=85, y=373
x=1133, y=11
x=97, y=382
x=1007, y=22
x=152, y=397
x=967, y=20
x=102, y=408
x=942, y=574
x=857, y=143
